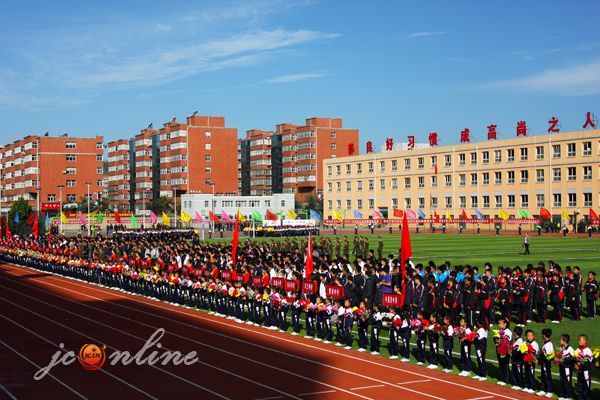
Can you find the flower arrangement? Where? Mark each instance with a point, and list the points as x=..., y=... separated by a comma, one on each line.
x=529, y=353
x=503, y=347
x=559, y=357
x=415, y=323
x=596, y=353
x=469, y=337
x=580, y=357
x=550, y=356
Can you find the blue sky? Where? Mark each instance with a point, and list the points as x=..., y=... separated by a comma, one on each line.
x=389, y=68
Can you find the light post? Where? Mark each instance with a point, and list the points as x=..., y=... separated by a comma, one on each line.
x=88, y=208
x=175, y=203
x=212, y=206
x=144, y=206
x=60, y=188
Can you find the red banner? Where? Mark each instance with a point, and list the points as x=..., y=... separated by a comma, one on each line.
x=50, y=206
x=337, y=292
x=277, y=283
x=392, y=300
x=531, y=221
x=226, y=275
x=292, y=285
x=257, y=281
x=309, y=287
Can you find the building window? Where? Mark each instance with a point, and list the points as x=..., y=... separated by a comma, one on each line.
x=394, y=165
x=71, y=183
x=359, y=204
x=207, y=134
x=99, y=157
x=462, y=179
x=208, y=170
x=51, y=197
x=539, y=175
x=421, y=202
x=556, y=174
x=433, y=161
x=207, y=146
x=333, y=146
x=587, y=199
x=359, y=168
x=371, y=184
x=208, y=158
x=497, y=178
x=510, y=155
x=448, y=180
x=524, y=200
x=511, y=201
x=572, y=200
x=329, y=204
x=71, y=145
x=524, y=176
x=421, y=181
x=371, y=204
x=394, y=183
x=71, y=198
x=406, y=183
x=524, y=154
x=462, y=201
x=382, y=184
x=348, y=204
x=571, y=150
x=348, y=186
x=556, y=199
x=333, y=135
x=395, y=202
x=434, y=181
x=474, y=202
x=539, y=153
x=587, y=148
x=497, y=156
x=448, y=160
x=486, y=201
x=461, y=159
x=407, y=202
x=511, y=176
x=448, y=201
x=99, y=170
x=587, y=173
x=473, y=158
x=370, y=166
x=485, y=157
x=421, y=163
x=556, y=151
x=329, y=186
x=407, y=163
x=70, y=171
x=381, y=166
x=359, y=185
x=338, y=169
x=498, y=200
x=539, y=198
x=572, y=173
x=486, y=178
x=473, y=179
x=329, y=169
x=338, y=186
x=348, y=169
x=434, y=203
x=71, y=157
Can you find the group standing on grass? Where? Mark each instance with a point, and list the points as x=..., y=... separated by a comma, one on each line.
x=444, y=305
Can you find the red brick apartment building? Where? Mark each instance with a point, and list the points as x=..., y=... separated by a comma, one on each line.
x=143, y=187
x=256, y=168
x=296, y=156
x=49, y=165
x=119, y=175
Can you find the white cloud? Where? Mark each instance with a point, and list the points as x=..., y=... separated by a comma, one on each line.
x=295, y=77
x=426, y=33
x=577, y=80
x=163, y=27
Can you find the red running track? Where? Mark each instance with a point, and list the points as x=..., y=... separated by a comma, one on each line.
x=236, y=361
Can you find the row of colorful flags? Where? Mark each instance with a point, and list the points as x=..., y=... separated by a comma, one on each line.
x=419, y=214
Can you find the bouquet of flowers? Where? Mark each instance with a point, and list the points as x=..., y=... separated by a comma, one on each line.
x=438, y=328
x=580, y=357
x=529, y=353
x=458, y=331
x=322, y=308
x=397, y=322
x=469, y=337
x=266, y=297
x=312, y=306
x=550, y=356
x=415, y=324
x=596, y=353
x=559, y=357
x=250, y=294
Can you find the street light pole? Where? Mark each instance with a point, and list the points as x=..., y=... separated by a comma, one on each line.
x=88, y=208
x=212, y=206
x=175, y=202
x=60, y=188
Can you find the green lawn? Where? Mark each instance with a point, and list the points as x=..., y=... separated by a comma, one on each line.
x=507, y=251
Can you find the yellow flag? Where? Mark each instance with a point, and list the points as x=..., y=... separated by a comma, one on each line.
x=503, y=214
x=241, y=216
x=166, y=219
x=565, y=215
x=448, y=216
x=63, y=218
x=338, y=215
x=292, y=214
x=185, y=217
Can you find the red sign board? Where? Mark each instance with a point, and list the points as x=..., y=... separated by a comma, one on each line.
x=257, y=281
x=239, y=278
x=337, y=292
x=51, y=206
x=226, y=275
x=277, y=283
x=292, y=285
x=309, y=287
x=392, y=300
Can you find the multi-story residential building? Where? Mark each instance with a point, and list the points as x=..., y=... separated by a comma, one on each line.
x=40, y=168
x=119, y=175
x=145, y=188
x=554, y=171
x=294, y=153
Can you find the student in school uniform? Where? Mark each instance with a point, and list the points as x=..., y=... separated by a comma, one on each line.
x=376, y=325
x=465, y=348
x=329, y=321
x=363, y=327
x=591, y=294
x=347, y=323
x=448, y=343
x=297, y=306
x=529, y=367
x=503, y=359
x=480, y=343
x=583, y=365
x=433, y=334
x=395, y=324
x=565, y=367
x=545, y=360
x=405, y=334
x=420, y=328
x=517, y=360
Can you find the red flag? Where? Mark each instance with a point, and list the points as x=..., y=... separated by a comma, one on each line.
x=213, y=217
x=398, y=213
x=30, y=219
x=117, y=218
x=436, y=216
x=0, y=228
x=593, y=215
x=545, y=214
x=8, y=234
x=405, y=254
x=435, y=170
x=234, y=242
x=464, y=214
x=271, y=216
x=35, y=228
x=309, y=260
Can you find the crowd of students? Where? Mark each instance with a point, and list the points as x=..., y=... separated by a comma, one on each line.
x=444, y=305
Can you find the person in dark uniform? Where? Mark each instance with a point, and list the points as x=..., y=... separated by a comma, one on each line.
x=526, y=243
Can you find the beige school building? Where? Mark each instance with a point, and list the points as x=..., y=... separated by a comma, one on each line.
x=559, y=172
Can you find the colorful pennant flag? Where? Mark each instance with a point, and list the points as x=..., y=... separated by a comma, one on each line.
x=63, y=218
x=198, y=218
x=308, y=270
x=398, y=213
x=376, y=213
x=134, y=224
x=503, y=215
x=185, y=217
x=256, y=216
x=545, y=214
x=524, y=213
x=566, y=215
x=357, y=214
x=464, y=214
x=410, y=214
x=153, y=217
x=315, y=215
x=593, y=215
x=478, y=214
x=405, y=254
x=448, y=216
x=234, y=242
x=421, y=214
x=292, y=214
x=240, y=216
x=165, y=219
x=338, y=215
x=271, y=216
x=225, y=217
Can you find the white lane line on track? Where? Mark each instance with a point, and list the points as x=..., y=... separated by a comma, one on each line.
x=366, y=387
x=269, y=398
x=5, y=390
x=315, y=393
x=409, y=382
x=482, y=398
x=205, y=317
x=101, y=370
x=191, y=340
x=38, y=367
x=99, y=341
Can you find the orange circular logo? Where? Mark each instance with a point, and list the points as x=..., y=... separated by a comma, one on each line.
x=92, y=357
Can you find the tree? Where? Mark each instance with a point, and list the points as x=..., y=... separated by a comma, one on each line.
x=100, y=205
x=22, y=228
x=310, y=203
x=161, y=204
